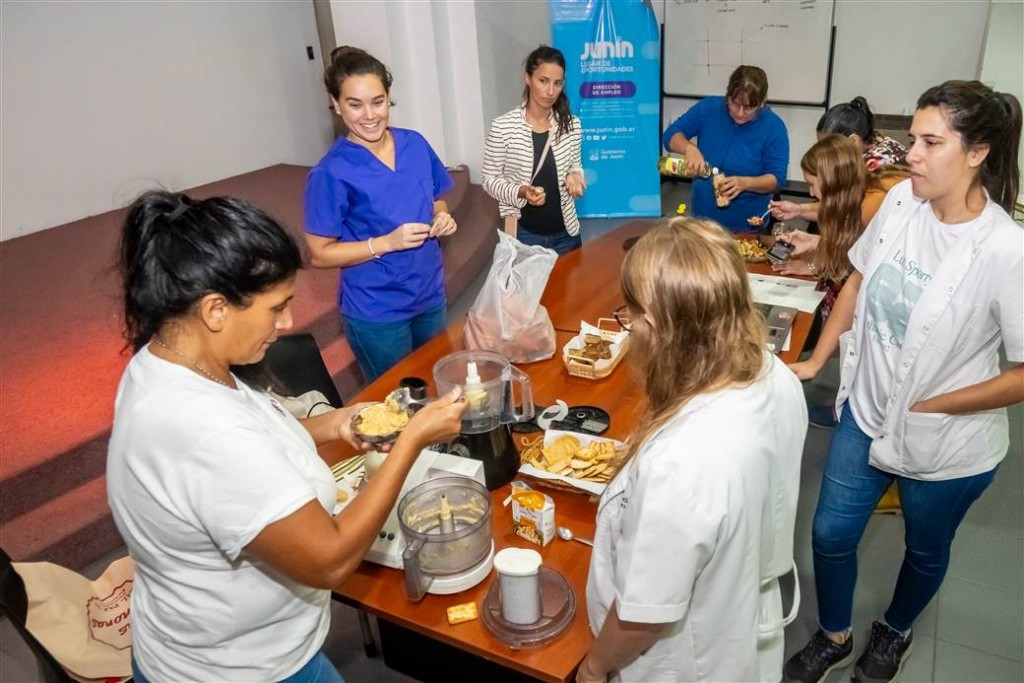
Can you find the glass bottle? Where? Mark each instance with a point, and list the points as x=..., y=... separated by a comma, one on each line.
x=716, y=178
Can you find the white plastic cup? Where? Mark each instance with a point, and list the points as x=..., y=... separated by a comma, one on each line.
x=519, y=583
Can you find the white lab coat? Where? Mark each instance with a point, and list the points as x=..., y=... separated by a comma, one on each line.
x=974, y=302
x=696, y=524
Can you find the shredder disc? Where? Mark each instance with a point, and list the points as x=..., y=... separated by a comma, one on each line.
x=584, y=419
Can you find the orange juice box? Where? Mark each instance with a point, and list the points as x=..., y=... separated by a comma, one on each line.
x=533, y=514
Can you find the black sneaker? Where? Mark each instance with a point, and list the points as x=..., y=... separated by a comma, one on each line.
x=821, y=655
x=883, y=660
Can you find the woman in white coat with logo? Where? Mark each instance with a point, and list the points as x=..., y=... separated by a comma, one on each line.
x=936, y=287
x=697, y=525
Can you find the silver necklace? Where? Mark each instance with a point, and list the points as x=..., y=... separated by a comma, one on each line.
x=195, y=364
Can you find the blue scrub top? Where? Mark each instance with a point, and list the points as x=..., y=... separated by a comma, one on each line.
x=351, y=196
x=757, y=147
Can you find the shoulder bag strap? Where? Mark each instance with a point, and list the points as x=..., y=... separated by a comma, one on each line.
x=511, y=221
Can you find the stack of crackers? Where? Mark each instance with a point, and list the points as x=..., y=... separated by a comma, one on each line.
x=584, y=462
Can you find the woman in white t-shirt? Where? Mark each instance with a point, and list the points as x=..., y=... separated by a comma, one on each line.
x=697, y=526
x=936, y=287
x=219, y=493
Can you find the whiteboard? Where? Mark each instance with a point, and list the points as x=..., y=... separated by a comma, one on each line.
x=705, y=40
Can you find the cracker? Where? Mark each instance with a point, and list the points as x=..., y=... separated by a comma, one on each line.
x=458, y=614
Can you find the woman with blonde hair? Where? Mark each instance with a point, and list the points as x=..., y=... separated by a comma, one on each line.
x=848, y=198
x=698, y=524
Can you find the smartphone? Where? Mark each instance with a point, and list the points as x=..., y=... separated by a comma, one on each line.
x=780, y=251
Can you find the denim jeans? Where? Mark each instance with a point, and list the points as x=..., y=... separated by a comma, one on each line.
x=850, y=489
x=561, y=242
x=379, y=346
x=319, y=669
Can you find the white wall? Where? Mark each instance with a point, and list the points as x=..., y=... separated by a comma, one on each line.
x=431, y=51
x=889, y=51
x=1002, y=66
x=103, y=99
x=506, y=32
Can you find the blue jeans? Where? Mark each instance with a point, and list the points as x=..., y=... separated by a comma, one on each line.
x=850, y=489
x=379, y=346
x=317, y=670
x=561, y=242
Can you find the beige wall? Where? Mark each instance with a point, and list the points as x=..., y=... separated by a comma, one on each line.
x=103, y=99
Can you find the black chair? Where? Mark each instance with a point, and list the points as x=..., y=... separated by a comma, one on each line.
x=292, y=366
x=15, y=607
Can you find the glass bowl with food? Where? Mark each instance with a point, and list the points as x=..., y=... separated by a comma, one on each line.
x=381, y=423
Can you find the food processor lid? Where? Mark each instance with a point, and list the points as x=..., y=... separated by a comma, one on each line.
x=557, y=604
x=517, y=562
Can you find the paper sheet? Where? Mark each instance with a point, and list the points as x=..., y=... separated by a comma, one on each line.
x=785, y=291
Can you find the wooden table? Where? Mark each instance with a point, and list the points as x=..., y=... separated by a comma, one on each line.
x=585, y=285
x=380, y=590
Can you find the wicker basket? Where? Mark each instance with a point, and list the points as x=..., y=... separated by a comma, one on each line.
x=554, y=484
x=587, y=368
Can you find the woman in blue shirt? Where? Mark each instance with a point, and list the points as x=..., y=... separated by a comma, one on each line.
x=373, y=209
x=742, y=137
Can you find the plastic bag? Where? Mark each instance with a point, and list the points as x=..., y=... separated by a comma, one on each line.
x=507, y=316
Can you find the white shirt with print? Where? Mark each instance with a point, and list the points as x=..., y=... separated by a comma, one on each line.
x=932, y=323
x=891, y=294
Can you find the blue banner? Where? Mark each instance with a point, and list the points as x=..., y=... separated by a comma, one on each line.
x=612, y=56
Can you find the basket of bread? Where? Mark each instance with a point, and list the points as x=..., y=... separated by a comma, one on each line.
x=569, y=461
x=595, y=351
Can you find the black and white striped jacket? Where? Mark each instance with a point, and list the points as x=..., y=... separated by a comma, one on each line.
x=508, y=163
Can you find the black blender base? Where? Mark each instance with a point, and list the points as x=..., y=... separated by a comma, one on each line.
x=496, y=449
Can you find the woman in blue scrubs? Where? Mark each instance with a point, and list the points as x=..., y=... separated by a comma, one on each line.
x=741, y=136
x=373, y=209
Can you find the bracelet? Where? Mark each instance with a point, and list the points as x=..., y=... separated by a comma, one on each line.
x=369, y=243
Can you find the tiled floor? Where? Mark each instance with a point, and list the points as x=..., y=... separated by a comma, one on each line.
x=973, y=631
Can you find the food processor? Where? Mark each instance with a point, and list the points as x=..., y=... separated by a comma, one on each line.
x=446, y=523
x=489, y=383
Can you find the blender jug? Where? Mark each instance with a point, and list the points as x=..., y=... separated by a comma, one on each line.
x=490, y=385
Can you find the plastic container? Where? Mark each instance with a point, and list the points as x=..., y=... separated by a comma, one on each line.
x=519, y=584
x=557, y=609
x=489, y=384
x=432, y=550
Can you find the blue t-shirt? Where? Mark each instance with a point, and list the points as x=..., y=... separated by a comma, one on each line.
x=351, y=196
x=757, y=147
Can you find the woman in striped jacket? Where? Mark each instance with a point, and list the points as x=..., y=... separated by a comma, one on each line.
x=533, y=152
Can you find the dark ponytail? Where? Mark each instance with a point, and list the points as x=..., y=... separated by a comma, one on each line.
x=175, y=250
x=984, y=117
x=352, y=61
x=848, y=118
x=549, y=55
